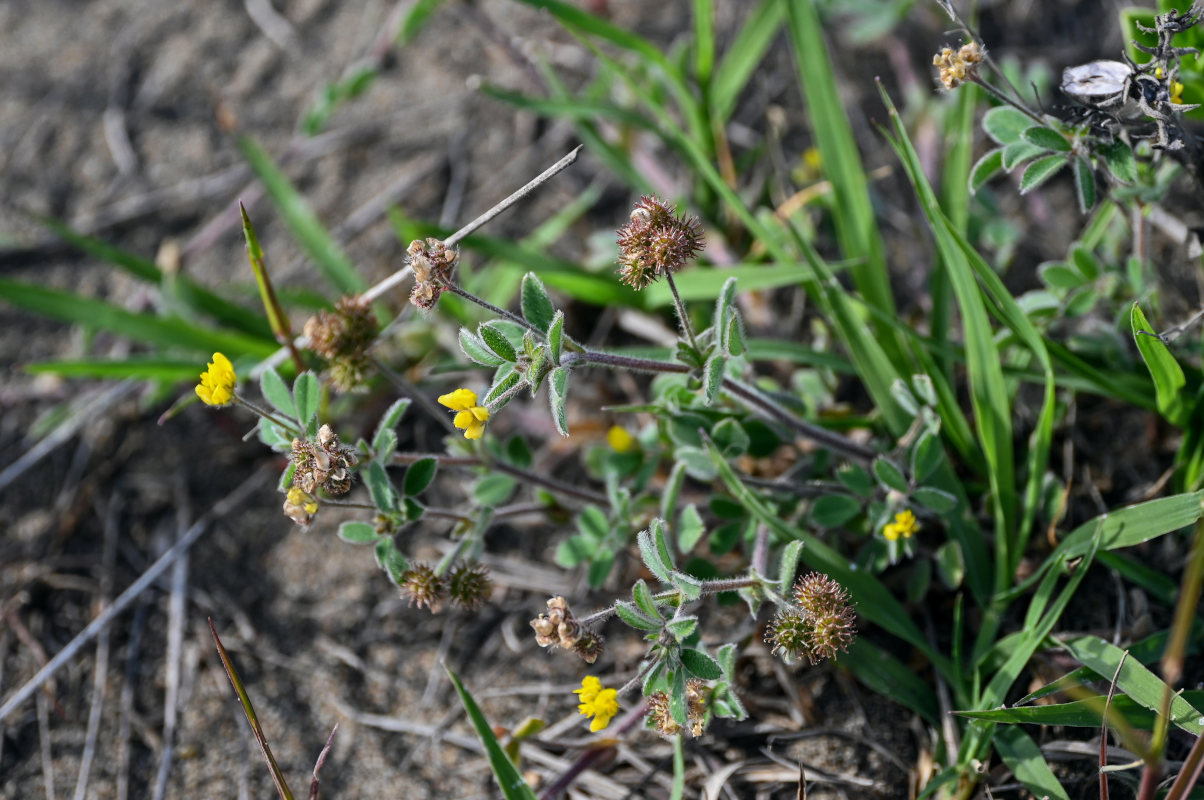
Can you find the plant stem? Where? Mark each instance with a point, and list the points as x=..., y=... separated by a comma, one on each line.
x=443, y=513
x=491, y=308
x=498, y=209
x=815, y=433
x=621, y=362
x=708, y=588
x=525, y=475
x=269, y=416
x=681, y=312
x=451, y=241
x=750, y=396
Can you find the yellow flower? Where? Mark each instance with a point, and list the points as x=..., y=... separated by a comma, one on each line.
x=904, y=525
x=601, y=704
x=1176, y=88
x=217, y=382
x=471, y=417
x=620, y=440
x=297, y=497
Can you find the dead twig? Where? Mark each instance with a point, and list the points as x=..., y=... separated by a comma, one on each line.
x=176, y=612
x=219, y=509
x=108, y=562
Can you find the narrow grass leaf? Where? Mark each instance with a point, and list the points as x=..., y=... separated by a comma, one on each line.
x=202, y=299
x=508, y=778
x=301, y=220
x=856, y=228
x=883, y=673
x=704, y=40
x=152, y=368
x=741, y=58
x=574, y=108
x=252, y=719
x=416, y=19
x=163, y=332
x=1135, y=680
x=703, y=284
x=1079, y=713
x=1035, y=631
x=1024, y=758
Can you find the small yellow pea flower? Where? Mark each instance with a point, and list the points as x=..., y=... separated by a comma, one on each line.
x=299, y=498
x=601, y=704
x=471, y=417
x=620, y=440
x=217, y=382
x=905, y=525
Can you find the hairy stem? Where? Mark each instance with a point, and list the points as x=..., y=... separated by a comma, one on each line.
x=681, y=312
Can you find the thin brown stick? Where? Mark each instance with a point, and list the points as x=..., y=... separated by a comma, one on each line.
x=43, y=707
x=176, y=613
x=219, y=510
x=313, y=785
x=100, y=672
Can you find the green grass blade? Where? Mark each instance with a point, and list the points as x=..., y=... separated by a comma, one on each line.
x=198, y=297
x=1040, y=621
x=301, y=220
x=1079, y=713
x=1119, y=528
x=745, y=53
x=169, y=370
x=509, y=779
x=416, y=19
x=136, y=265
x=1129, y=388
x=955, y=196
x=704, y=40
x=883, y=673
x=159, y=331
x=854, y=221
x=1169, y=381
x=794, y=353
x=1024, y=758
x=575, y=19
x=574, y=108
x=988, y=391
x=614, y=158
x=1135, y=680
x=282, y=787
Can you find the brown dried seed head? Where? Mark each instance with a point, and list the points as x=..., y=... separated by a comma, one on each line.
x=423, y=587
x=656, y=242
x=589, y=646
x=469, y=585
x=433, y=264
